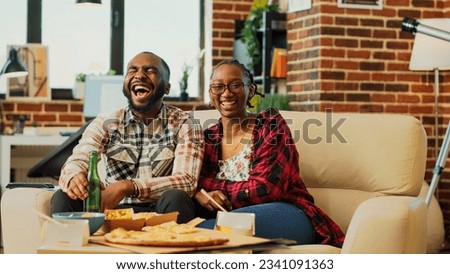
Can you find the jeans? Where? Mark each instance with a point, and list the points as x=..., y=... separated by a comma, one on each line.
x=277, y=220
x=171, y=200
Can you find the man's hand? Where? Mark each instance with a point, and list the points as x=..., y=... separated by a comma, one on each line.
x=218, y=196
x=115, y=192
x=77, y=187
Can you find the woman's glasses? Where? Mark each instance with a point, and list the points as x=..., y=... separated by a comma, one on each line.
x=234, y=87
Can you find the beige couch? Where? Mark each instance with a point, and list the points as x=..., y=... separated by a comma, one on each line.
x=365, y=170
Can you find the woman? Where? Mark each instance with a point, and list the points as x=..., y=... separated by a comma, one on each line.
x=251, y=165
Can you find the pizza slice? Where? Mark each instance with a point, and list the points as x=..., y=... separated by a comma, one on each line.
x=168, y=235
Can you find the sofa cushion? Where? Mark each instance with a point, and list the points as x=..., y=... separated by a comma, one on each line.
x=342, y=169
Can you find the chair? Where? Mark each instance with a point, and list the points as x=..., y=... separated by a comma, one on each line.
x=50, y=165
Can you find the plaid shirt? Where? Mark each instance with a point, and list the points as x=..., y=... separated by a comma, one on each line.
x=163, y=155
x=274, y=176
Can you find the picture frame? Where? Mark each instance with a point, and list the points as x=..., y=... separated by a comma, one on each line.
x=35, y=85
x=361, y=4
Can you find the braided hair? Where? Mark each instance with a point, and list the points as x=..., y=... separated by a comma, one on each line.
x=247, y=74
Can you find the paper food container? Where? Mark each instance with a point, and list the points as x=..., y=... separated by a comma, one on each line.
x=128, y=224
x=138, y=223
x=236, y=222
x=70, y=233
x=162, y=218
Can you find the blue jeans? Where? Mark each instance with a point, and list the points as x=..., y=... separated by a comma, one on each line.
x=171, y=200
x=277, y=220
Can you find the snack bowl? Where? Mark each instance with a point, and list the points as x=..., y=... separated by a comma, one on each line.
x=95, y=219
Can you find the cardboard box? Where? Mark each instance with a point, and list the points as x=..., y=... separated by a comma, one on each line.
x=70, y=233
x=138, y=224
x=162, y=218
x=236, y=222
x=128, y=224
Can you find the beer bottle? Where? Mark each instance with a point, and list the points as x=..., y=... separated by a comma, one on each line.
x=93, y=202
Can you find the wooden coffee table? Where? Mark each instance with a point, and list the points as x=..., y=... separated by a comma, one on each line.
x=237, y=244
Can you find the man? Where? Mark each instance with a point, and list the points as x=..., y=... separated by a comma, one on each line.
x=152, y=152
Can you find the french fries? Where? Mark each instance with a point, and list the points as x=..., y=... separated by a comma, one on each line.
x=119, y=214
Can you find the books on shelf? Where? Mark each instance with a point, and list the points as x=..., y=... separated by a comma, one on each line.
x=279, y=63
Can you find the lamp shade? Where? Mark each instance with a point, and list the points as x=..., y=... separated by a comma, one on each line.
x=428, y=52
x=99, y=2
x=14, y=66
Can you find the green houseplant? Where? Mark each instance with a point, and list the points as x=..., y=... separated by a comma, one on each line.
x=249, y=32
x=280, y=101
x=186, y=71
x=81, y=77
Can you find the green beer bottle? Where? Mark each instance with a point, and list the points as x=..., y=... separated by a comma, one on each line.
x=93, y=202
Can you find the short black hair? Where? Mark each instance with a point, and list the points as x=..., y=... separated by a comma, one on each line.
x=165, y=66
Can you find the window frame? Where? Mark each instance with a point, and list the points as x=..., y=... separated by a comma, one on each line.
x=34, y=35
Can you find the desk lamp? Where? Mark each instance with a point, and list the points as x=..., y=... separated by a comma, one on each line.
x=93, y=2
x=431, y=52
x=14, y=67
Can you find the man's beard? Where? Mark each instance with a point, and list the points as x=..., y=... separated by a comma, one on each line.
x=146, y=108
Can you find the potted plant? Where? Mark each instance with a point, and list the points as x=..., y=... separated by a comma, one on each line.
x=78, y=90
x=249, y=32
x=186, y=70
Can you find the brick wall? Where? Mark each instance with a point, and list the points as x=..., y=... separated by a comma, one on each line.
x=45, y=114
x=356, y=60
x=225, y=12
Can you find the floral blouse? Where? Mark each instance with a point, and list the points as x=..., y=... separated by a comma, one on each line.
x=236, y=168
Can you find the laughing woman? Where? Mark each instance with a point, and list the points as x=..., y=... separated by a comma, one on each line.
x=251, y=165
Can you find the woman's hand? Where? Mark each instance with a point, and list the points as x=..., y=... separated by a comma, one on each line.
x=218, y=196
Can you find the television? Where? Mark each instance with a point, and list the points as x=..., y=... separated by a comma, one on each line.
x=103, y=93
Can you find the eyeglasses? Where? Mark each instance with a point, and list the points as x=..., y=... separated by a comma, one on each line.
x=234, y=87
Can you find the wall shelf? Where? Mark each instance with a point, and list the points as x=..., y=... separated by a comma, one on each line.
x=273, y=36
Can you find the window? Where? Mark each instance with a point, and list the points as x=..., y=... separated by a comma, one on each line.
x=78, y=40
x=170, y=29
x=12, y=13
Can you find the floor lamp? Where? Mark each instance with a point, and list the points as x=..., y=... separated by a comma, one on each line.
x=431, y=52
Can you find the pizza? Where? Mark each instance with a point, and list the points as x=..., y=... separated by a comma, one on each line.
x=170, y=227
x=163, y=235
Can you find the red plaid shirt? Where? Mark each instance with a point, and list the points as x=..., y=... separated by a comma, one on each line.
x=274, y=174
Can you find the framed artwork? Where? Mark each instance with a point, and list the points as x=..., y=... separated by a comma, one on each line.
x=35, y=85
x=361, y=4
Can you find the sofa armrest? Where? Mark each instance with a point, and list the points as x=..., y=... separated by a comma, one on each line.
x=21, y=227
x=388, y=225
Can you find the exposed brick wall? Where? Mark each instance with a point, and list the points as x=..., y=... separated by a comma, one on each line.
x=357, y=60
x=45, y=114
x=225, y=13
